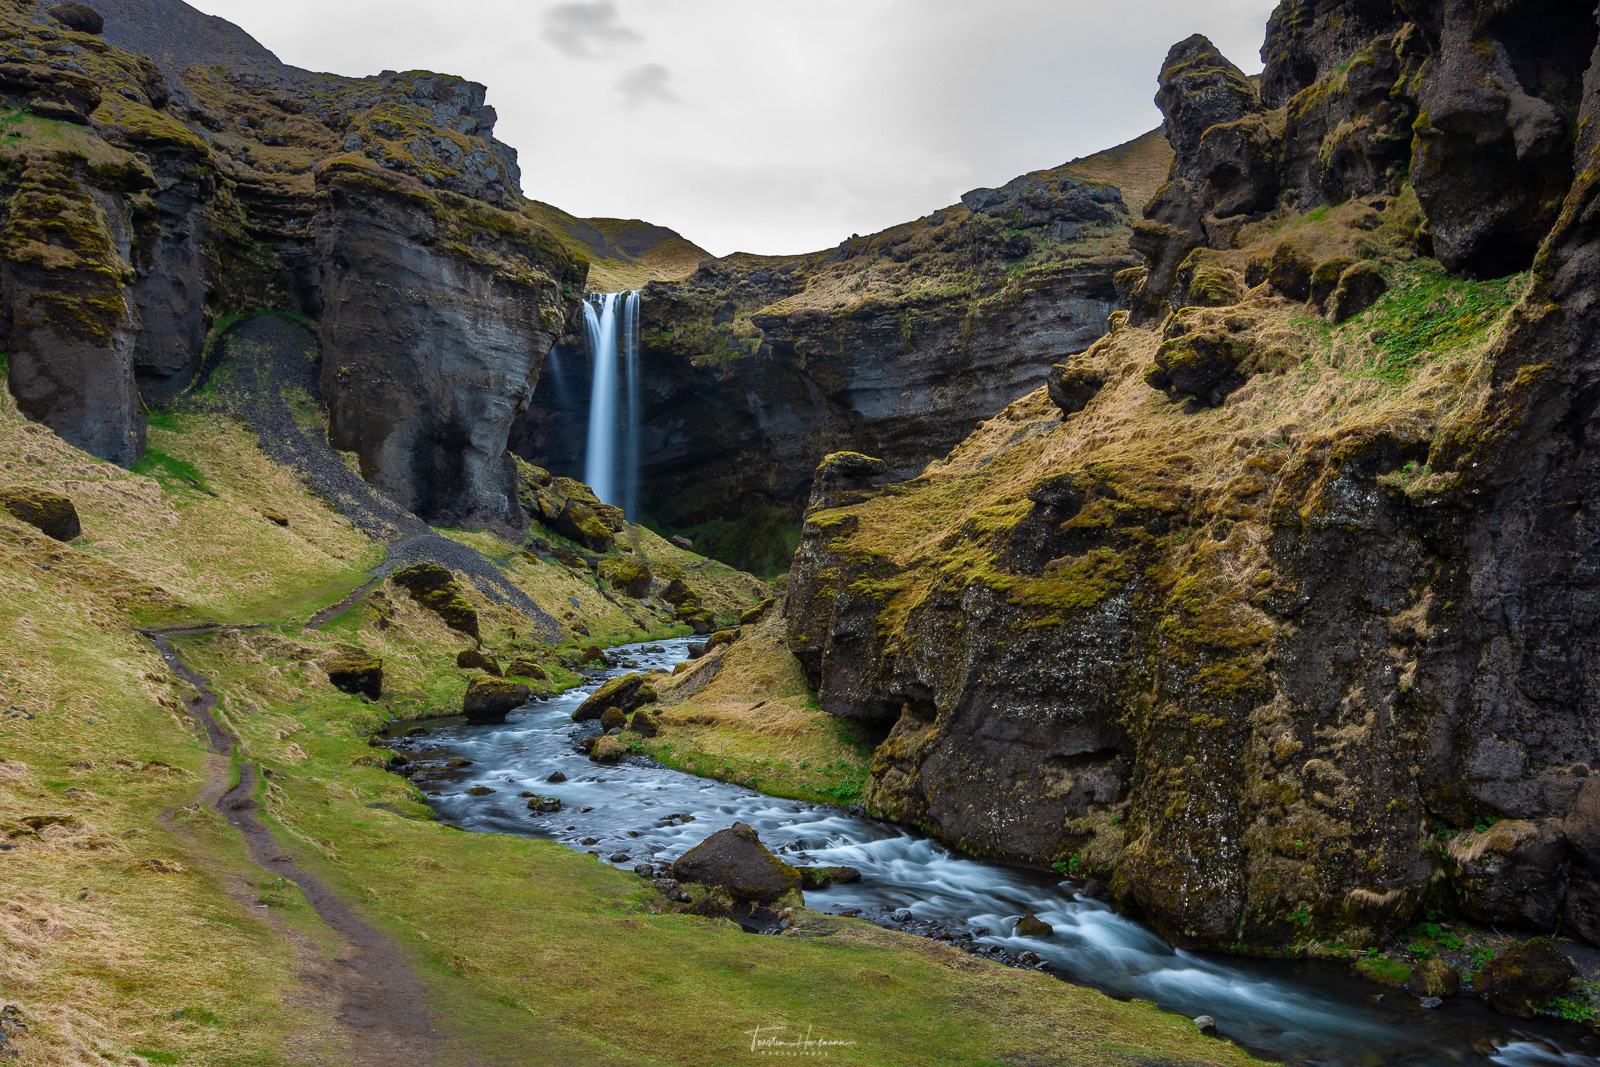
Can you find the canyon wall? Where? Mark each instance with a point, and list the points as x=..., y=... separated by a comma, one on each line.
x=755, y=367
x=1271, y=613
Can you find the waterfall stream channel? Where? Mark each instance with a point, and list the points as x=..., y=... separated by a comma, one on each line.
x=638, y=811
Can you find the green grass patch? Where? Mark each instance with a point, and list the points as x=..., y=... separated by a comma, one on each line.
x=1428, y=313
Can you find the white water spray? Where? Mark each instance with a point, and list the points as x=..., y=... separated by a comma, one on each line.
x=612, y=342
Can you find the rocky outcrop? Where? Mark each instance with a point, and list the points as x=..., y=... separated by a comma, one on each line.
x=1264, y=667
x=429, y=354
x=1522, y=979
x=351, y=670
x=627, y=693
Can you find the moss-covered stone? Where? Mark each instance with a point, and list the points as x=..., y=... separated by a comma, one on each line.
x=490, y=699
x=628, y=576
x=628, y=693
x=352, y=670
x=50, y=513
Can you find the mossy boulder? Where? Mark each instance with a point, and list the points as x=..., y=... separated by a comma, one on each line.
x=1325, y=279
x=50, y=513
x=490, y=699
x=629, y=577
x=628, y=693
x=1521, y=980
x=1286, y=268
x=473, y=659
x=722, y=637
x=1072, y=385
x=527, y=667
x=1359, y=288
x=578, y=522
x=645, y=723
x=354, y=671
x=757, y=613
x=1030, y=925
x=608, y=750
x=1433, y=978
x=591, y=654
x=735, y=861
x=435, y=588
x=823, y=877
x=1204, y=365
x=613, y=719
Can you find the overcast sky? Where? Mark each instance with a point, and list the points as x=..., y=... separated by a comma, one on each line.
x=773, y=125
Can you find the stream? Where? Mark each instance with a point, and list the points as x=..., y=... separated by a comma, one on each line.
x=1297, y=1011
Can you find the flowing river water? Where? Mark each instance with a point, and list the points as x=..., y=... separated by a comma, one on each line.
x=1303, y=1012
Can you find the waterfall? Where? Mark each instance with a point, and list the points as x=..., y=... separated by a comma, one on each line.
x=613, y=477
x=630, y=462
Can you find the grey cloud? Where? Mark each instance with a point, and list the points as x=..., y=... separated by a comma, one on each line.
x=650, y=82
x=584, y=30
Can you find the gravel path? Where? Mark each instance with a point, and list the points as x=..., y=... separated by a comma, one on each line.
x=257, y=371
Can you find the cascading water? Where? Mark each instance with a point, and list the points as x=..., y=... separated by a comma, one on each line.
x=1303, y=1012
x=613, y=340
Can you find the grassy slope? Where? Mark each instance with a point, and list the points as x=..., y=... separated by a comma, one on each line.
x=743, y=714
x=534, y=954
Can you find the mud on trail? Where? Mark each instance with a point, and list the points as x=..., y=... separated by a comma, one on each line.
x=379, y=1011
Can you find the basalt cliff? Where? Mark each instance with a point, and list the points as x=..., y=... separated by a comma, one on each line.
x=164, y=174
x=1273, y=611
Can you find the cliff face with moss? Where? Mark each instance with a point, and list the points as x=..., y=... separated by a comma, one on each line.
x=1271, y=611
x=896, y=343
x=164, y=174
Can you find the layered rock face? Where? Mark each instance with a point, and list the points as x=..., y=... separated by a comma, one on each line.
x=176, y=196
x=1277, y=624
x=895, y=344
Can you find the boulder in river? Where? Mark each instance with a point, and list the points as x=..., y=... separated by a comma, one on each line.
x=1521, y=980
x=607, y=750
x=1433, y=978
x=356, y=672
x=490, y=699
x=50, y=513
x=1030, y=925
x=823, y=877
x=735, y=860
x=629, y=693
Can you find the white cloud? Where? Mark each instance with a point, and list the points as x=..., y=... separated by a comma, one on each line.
x=586, y=30
x=801, y=121
x=643, y=84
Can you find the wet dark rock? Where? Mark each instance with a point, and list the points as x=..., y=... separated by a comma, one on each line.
x=490, y=699
x=1433, y=978
x=1521, y=980
x=52, y=514
x=736, y=861
x=1032, y=926
x=544, y=805
x=458, y=762
x=696, y=649
x=1515, y=873
x=479, y=791
x=823, y=877
x=620, y=857
x=1206, y=1025
x=556, y=776
x=590, y=841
